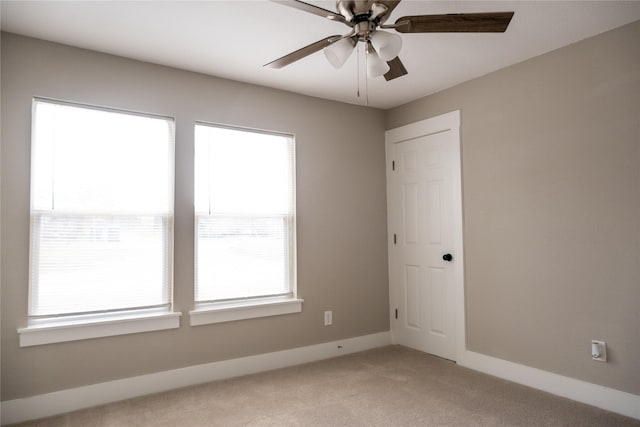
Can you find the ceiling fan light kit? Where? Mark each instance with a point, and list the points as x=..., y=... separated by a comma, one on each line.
x=387, y=45
x=338, y=52
x=376, y=66
x=367, y=17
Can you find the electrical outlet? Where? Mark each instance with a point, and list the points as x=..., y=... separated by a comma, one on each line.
x=328, y=318
x=599, y=350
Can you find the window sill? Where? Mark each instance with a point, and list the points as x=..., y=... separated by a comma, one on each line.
x=218, y=313
x=61, y=331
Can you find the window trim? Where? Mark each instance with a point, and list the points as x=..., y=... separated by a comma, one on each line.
x=103, y=108
x=63, y=328
x=253, y=307
x=206, y=314
x=85, y=327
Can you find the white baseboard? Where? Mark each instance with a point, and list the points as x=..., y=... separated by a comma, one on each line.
x=592, y=394
x=59, y=402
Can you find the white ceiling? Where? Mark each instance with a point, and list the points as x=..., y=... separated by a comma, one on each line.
x=233, y=39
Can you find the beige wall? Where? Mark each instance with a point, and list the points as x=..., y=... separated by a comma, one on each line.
x=551, y=182
x=341, y=214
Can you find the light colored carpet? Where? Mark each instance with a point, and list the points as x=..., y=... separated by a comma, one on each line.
x=390, y=386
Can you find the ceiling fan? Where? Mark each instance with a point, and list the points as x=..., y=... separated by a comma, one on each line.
x=366, y=19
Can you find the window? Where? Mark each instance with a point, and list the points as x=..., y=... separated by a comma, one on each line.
x=245, y=216
x=101, y=213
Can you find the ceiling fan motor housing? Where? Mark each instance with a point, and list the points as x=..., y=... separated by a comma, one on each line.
x=363, y=15
x=364, y=29
x=352, y=9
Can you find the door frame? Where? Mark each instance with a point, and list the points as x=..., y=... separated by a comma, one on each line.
x=437, y=124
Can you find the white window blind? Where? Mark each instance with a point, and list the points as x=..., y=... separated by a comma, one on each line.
x=245, y=214
x=101, y=210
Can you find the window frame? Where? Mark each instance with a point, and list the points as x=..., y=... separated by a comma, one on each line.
x=45, y=329
x=217, y=311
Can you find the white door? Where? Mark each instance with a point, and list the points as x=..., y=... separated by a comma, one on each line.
x=422, y=253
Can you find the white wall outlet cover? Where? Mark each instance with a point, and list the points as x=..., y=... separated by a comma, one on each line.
x=328, y=318
x=599, y=350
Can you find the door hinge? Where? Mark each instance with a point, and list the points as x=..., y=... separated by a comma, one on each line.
x=393, y=165
x=394, y=238
x=396, y=313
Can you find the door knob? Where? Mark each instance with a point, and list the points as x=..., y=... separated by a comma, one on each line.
x=447, y=257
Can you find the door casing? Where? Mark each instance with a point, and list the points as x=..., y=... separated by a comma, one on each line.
x=441, y=123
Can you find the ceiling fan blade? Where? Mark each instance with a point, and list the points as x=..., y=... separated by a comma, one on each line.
x=396, y=69
x=306, y=7
x=490, y=22
x=301, y=53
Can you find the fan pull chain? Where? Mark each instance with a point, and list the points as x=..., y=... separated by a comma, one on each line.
x=358, y=70
x=366, y=79
x=366, y=84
